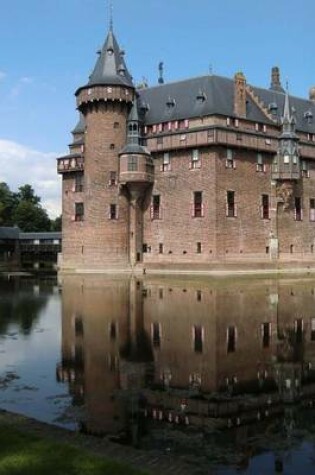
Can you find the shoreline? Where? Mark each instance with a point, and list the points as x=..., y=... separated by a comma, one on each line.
x=149, y=461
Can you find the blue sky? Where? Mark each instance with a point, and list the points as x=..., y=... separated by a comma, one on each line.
x=48, y=48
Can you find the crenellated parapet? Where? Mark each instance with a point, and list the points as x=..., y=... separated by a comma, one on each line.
x=92, y=96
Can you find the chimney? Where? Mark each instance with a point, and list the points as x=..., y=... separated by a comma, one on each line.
x=275, y=80
x=240, y=95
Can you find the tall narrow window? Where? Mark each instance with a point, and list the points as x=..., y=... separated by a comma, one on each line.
x=161, y=250
x=231, y=336
x=260, y=166
x=229, y=162
x=132, y=163
x=305, y=169
x=312, y=329
x=113, y=211
x=312, y=209
x=78, y=186
x=197, y=209
x=198, y=338
x=266, y=334
x=112, y=178
x=231, y=209
x=265, y=206
x=156, y=207
x=79, y=211
x=198, y=249
x=195, y=159
x=166, y=166
x=298, y=209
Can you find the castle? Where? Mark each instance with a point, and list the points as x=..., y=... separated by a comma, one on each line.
x=199, y=173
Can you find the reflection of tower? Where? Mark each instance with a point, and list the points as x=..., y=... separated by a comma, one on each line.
x=286, y=176
x=104, y=348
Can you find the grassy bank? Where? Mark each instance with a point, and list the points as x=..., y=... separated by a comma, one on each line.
x=27, y=454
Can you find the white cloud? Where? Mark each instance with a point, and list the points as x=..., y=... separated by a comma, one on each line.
x=20, y=165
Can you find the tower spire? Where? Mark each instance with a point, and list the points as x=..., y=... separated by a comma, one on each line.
x=111, y=21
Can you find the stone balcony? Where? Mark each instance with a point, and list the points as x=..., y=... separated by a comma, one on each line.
x=70, y=163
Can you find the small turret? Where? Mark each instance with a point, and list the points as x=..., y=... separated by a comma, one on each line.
x=136, y=165
x=286, y=165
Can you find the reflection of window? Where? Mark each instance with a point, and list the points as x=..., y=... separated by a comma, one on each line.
x=266, y=334
x=298, y=326
x=195, y=380
x=156, y=331
x=198, y=333
x=78, y=326
x=231, y=337
x=113, y=331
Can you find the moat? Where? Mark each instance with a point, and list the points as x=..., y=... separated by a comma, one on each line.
x=217, y=372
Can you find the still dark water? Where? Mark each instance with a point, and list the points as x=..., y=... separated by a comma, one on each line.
x=218, y=372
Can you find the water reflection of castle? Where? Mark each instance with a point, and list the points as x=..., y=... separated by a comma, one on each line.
x=186, y=351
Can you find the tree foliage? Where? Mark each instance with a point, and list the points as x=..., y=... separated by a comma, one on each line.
x=23, y=209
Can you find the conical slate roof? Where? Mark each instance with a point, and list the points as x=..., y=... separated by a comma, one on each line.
x=110, y=67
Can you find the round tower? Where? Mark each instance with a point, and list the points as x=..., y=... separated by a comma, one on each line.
x=105, y=102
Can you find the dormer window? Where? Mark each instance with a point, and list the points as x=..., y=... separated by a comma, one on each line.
x=121, y=70
x=201, y=97
x=170, y=102
x=273, y=108
x=110, y=51
x=308, y=116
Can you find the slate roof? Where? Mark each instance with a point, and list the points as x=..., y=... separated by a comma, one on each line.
x=9, y=233
x=209, y=95
x=80, y=127
x=48, y=235
x=110, y=68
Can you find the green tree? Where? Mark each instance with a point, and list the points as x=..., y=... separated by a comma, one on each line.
x=8, y=202
x=26, y=193
x=30, y=217
x=56, y=224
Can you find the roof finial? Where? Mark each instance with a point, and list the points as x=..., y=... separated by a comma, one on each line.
x=111, y=8
x=161, y=79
